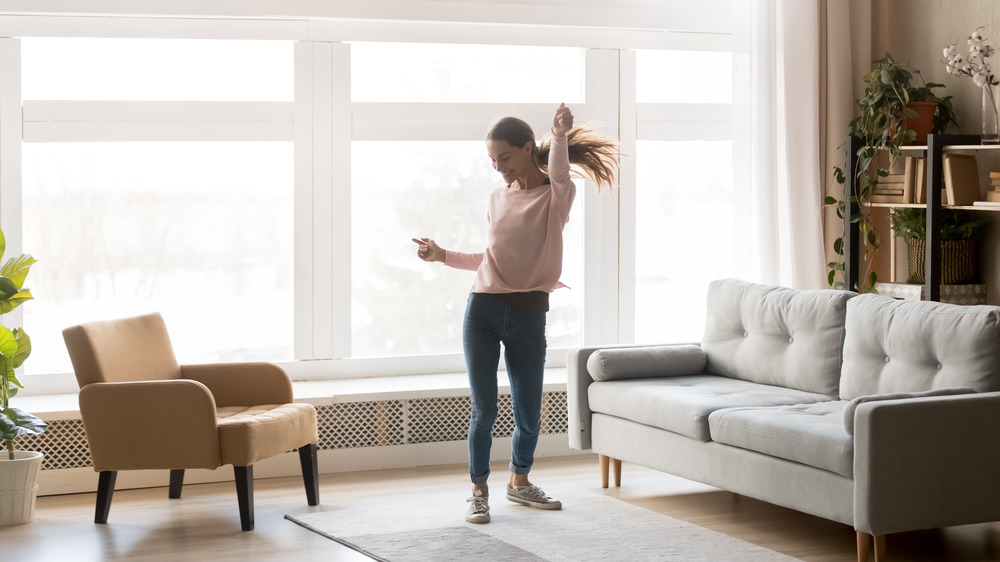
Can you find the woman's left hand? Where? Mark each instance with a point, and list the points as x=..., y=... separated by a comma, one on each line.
x=563, y=121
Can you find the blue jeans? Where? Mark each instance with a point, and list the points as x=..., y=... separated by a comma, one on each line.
x=488, y=323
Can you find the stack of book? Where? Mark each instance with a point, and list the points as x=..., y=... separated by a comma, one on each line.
x=897, y=186
x=993, y=195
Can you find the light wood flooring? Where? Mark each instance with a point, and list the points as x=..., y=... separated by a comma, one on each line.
x=204, y=523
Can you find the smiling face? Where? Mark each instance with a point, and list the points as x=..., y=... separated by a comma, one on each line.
x=510, y=161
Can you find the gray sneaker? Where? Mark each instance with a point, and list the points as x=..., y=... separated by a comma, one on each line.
x=479, y=508
x=532, y=496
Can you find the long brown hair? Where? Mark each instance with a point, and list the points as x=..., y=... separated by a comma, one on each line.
x=597, y=155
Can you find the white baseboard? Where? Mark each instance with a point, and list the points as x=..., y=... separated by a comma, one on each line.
x=77, y=480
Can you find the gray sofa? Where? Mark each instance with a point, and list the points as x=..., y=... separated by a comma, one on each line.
x=877, y=413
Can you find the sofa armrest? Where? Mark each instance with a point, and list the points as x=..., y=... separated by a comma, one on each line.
x=926, y=463
x=578, y=379
x=160, y=424
x=243, y=384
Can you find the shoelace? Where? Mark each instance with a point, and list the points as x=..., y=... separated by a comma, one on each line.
x=479, y=504
x=532, y=492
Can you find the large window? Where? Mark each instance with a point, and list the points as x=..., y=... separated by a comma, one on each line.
x=200, y=231
x=439, y=188
x=685, y=227
x=236, y=185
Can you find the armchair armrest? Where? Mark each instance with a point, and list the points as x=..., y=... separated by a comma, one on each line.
x=578, y=379
x=243, y=384
x=162, y=424
x=924, y=463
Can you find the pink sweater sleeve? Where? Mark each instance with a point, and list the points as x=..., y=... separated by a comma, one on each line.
x=460, y=260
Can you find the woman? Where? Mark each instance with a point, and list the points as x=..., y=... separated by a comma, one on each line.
x=514, y=276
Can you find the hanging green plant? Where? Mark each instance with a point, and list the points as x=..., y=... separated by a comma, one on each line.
x=882, y=124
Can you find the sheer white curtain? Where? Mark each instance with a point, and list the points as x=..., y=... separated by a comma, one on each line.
x=777, y=140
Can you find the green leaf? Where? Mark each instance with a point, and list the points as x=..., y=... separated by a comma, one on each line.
x=16, y=269
x=15, y=301
x=7, y=288
x=8, y=343
x=872, y=279
x=838, y=246
x=15, y=423
x=910, y=113
x=23, y=347
x=830, y=200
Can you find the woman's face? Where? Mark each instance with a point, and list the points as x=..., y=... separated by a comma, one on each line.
x=512, y=162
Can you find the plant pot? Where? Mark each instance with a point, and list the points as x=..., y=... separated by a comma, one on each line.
x=18, y=486
x=958, y=261
x=924, y=123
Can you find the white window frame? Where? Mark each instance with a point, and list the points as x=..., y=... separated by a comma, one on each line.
x=322, y=121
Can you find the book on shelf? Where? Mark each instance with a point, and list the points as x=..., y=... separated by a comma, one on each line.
x=961, y=179
x=993, y=196
x=916, y=167
x=986, y=204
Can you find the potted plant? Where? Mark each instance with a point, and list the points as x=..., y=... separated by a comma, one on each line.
x=959, y=232
x=18, y=469
x=888, y=112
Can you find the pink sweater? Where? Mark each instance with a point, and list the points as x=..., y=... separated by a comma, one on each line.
x=524, y=249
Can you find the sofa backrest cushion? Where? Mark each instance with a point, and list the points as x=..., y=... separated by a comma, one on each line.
x=645, y=362
x=912, y=346
x=775, y=335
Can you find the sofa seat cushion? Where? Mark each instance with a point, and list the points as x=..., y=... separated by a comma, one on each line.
x=811, y=434
x=682, y=404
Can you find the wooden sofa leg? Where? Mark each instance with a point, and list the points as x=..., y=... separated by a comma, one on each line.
x=864, y=543
x=244, y=494
x=105, y=490
x=176, y=482
x=310, y=472
x=879, y=548
x=617, y=467
x=864, y=540
x=605, y=462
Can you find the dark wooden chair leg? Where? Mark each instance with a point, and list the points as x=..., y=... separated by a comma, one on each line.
x=176, y=482
x=244, y=493
x=105, y=490
x=310, y=472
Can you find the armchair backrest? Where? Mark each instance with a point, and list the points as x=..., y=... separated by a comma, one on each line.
x=127, y=349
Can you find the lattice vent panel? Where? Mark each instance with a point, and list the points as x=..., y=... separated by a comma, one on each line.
x=433, y=420
x=64, y=444
x=360, y=424
x=341, y=426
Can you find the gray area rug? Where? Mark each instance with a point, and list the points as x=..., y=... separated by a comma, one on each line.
x=591, y=526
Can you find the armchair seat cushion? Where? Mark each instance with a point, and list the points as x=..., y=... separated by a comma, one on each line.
x=250, y=433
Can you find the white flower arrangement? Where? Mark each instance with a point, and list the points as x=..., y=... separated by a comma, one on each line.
x=976, y=65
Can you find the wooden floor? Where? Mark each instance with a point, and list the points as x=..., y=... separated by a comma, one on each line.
x=204, y=523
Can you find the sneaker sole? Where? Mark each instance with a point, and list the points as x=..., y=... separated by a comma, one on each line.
x=478, y=520
x=536, y=505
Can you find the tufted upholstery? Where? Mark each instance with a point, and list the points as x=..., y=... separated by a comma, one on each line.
x=913, y=346
x=775, y=335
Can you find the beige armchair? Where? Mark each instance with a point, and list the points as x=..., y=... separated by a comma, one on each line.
x=142, y=410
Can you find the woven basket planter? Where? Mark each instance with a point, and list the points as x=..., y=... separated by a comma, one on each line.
x=958, y=261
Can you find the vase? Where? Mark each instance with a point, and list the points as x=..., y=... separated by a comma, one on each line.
x=18, y=486
x=991, y=114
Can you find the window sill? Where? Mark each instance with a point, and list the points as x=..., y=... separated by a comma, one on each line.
x=65, y=406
